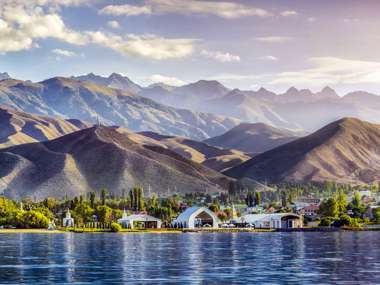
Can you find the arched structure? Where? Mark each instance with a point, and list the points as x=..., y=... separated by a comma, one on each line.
x=197, y=217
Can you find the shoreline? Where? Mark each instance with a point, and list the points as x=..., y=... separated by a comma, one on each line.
x=177, y=231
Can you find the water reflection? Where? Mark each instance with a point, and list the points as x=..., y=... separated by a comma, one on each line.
x=265, y=258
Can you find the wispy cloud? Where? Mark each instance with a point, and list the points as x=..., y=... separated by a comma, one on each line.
x=220, y=56
x=273, y=39
x=63, y=52
x=311, y=19
x=158, y=78
x=289, y=13
x=332, y=70
x=126, y=10
x=148, y=46
x=224, y=9
x=269, y=58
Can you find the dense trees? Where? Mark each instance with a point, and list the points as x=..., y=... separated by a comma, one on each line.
x=102, y=207
x=32, y=219
x=136, y=199
x=253, y=199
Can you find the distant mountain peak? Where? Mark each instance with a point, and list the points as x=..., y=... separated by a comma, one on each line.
x=328, y=92
x=114, y=80
x=4, y=76
x=292, y=89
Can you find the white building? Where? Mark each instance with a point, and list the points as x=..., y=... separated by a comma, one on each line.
x=68, y=221
x=272, y=221
x=196, y=217
x=139, y=220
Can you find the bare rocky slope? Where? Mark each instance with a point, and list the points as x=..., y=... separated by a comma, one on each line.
x=219, y=159
x=345, y=151
x=19, y=127
x=253, y=138
x=96, y=158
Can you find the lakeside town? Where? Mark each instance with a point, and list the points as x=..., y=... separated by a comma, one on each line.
x=296, y=207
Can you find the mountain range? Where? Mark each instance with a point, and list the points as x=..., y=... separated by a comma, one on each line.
x=96, y=158
x=253, y=138
x=86, y=101
x=345, y=151
x=296, y=109
x=69, y=136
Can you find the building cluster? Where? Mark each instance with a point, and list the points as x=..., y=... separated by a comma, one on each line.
x=304, y=209
x=202, y=217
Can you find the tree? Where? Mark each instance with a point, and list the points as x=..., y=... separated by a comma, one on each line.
x=92, y=199
x=341, y=202
x=104, y=213
x=250, y=199
x=50, y=203
x=45, y=211
x=8, y=211
x=284, y=200
x=83, y=212
x=103, y=196
x=328, y=208
x=140, y=199
x=356, y=200
x=356, y=207
x=376, y=215
x=258, y=198
x=215, y=208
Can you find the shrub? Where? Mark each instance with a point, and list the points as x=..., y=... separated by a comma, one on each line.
x=355, y=223
x=345, y=220
x=326, y=222
x=115, y=227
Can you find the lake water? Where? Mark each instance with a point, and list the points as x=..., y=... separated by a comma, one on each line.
x=191, y=258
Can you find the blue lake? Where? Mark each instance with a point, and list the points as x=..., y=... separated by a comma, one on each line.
x=191, y=258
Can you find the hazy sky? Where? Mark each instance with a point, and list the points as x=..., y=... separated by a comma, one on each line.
x=244, y=44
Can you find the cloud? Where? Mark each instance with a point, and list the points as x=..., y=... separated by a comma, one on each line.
x=62, y=52
x=220, y=56
x=224, y=9
x=113, y=24
x=289, y=13
x=126, y=10
x=332, y=70
x=147, y=46
x=269, y=58
x=273, y=39
x=158, y=78
x=311, y=19
x=21, y=23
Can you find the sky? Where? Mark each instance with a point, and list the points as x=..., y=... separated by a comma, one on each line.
x=244, y=44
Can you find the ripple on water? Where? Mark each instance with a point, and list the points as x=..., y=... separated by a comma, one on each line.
x=267, y=258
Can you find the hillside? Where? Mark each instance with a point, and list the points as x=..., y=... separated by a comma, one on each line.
x=252, y=138
x=19, y=127
x=96, y=158
x=89, y=102
x=346, y=151
x=219, y=159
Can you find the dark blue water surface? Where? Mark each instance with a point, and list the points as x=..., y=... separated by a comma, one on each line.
x=191, y=258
